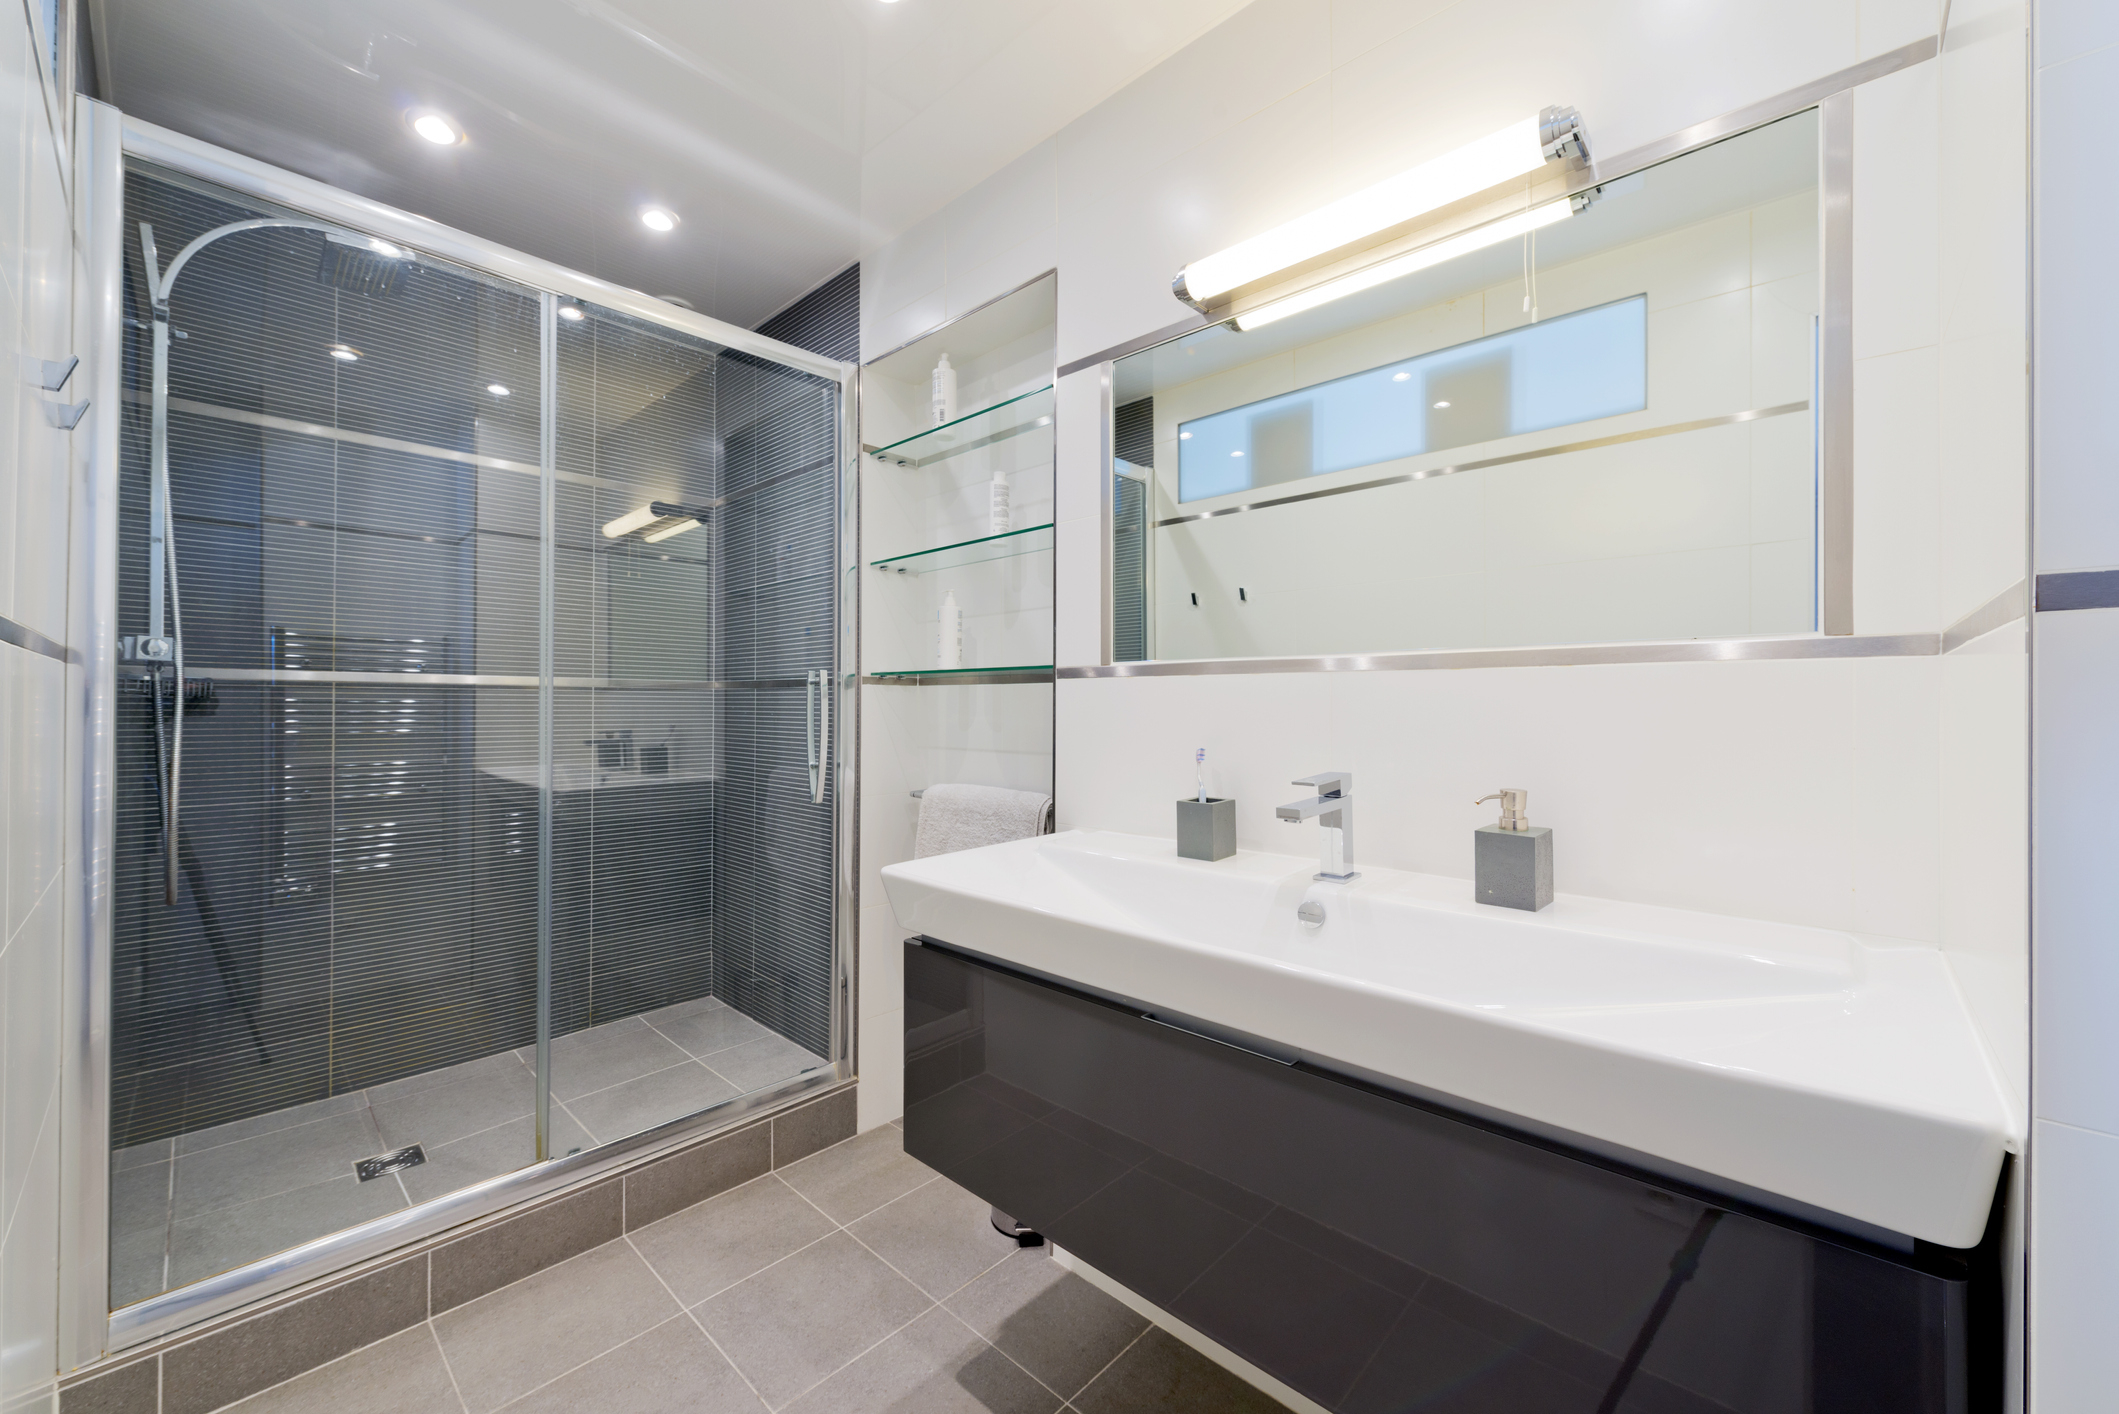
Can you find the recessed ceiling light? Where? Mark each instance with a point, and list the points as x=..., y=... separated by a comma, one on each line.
x=1443, y=404
x=573, y=312
x=1400, y=377
x=656, y=219
x=498, y=390
x=344, y=353
x=1236, y=454
x=1184, y=436
x=437, y=129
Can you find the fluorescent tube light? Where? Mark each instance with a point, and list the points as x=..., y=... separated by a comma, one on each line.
x=668, y=530
x=1493, y=233
x=629, y=522
x=1516, y=150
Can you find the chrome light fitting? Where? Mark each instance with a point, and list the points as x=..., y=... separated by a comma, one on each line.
x=678, y=519
x=1385, y=214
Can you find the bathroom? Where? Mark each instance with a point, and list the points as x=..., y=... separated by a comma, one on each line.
x=673, y=738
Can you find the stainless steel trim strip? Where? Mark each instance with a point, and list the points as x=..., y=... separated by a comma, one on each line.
x=547, y=535
x=1708, y=650
x=1750, y=415
x=25, y=637
x=184, y=154
x=2005, y=607
x=963, y=679
x=1835, y=366
x=1754, y=115
x=1610, y=169
x=351, y=679
x=2078, y=589
x=1182, y=327
x=229, y=1290
x=92, y=622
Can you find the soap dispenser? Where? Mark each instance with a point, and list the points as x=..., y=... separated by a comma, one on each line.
x=1512, y=860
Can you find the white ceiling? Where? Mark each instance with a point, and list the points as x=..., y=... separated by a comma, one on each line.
x=761, y=123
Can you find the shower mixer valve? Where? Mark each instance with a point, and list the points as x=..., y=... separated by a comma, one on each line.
x=146, y=648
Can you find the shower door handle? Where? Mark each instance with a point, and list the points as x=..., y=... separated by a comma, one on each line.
x=816, y=727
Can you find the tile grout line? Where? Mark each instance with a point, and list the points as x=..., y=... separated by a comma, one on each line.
x=691, y=1314
x=583, y=1365
x=434, y=1334
x=1138, y=1337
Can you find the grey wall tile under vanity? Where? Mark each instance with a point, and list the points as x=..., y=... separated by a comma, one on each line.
x=654, y=1191
x=129, y=1389
x=241, y=1359
x=804, y=1130
x=508, y=1251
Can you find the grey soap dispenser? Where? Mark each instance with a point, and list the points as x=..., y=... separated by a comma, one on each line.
x=1512, y=861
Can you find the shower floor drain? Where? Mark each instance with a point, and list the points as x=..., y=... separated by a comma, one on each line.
x=409, y=1157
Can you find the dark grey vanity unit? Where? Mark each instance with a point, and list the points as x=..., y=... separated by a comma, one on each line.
x=1379, y=1253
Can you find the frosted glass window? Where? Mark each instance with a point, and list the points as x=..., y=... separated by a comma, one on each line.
x=1574, y=368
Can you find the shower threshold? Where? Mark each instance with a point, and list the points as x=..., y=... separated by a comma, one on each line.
x=208, y=1220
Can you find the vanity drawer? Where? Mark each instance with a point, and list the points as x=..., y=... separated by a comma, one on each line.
x=1381, y=1254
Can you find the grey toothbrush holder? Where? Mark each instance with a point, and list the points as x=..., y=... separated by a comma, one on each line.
x=1206, y=829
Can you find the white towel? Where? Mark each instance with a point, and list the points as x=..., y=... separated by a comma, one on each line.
x=965, y=817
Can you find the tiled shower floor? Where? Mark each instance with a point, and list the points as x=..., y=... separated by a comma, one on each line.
x=200, y=1203
x=856, y=1281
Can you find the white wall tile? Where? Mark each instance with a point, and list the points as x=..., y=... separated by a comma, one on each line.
x=881, y=1098
x=1887, y=24
x=1015, y=204
x=1898, y=847
x=1078, y=627
x=2075, y=1051
x=35, y=732
x=1010, y=270
x=2074, y=1287
x=31, y=971
x=1984, y=815
x=2077, y=409
x=2068, y=29
x=1896, y=193
x=1896, y=509
x=882, y=983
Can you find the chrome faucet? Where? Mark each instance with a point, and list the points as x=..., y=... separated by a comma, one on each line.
x=1333, y=808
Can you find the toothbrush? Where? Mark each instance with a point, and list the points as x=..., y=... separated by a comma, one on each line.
x=1200, y=765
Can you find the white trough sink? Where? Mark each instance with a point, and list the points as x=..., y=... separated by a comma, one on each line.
x=1799, y=1062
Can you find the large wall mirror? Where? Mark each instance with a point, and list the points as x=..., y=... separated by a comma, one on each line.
x=1601, y=432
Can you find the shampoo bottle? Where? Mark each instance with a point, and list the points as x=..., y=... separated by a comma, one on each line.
x=949, y=633
x=997, y=500
x=943, y=392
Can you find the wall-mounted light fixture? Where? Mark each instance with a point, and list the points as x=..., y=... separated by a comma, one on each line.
x=1452, y=191
x=680, y=517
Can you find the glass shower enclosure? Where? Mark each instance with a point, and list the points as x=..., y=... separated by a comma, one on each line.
x=473, y=727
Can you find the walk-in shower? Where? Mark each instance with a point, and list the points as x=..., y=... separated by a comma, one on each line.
x=473, y=729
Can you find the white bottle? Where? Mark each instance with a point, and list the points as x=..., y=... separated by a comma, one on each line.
x=943, y=392
x=949, y=633
x=998, y=502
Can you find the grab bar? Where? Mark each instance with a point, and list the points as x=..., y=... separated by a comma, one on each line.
x=816, y=703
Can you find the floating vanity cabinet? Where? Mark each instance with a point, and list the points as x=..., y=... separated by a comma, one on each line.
x=1380, y=1254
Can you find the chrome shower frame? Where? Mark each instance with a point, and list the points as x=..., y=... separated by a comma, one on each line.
x=104, y=140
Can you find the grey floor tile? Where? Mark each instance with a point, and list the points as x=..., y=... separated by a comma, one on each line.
x=650, y=1100
x=228, y=1237
x=1159, y=1374
x=270, y=1122
x=498, y=1063
x=757, y=1064
x=157, y=1152
x=433, y=1117
x=511, y=1341
x=705, y=1033
x=793, y=1324
x=1048, y=1320
x=713, y=1245
x=139, y=1199
x=854, y=1178
x=938, y=1234
x=478, y=1157
x=673, y=1369
x=138, y=1265
x=401, y=1375
x=678, y=1011
x=608, y=1055
x=272, y=1163
x=934, y=1366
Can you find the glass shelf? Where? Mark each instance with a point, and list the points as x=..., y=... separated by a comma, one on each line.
x=1042, y=673
x=1009, y=543
x=1026, y=412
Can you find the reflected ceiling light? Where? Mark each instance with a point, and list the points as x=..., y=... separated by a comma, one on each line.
x=657, y=219
x=572, y=311
x=1492, y=233
x=1443, y=404
x=1518, y=149
x=1400, y=377
x=1184, y=436
x=498, y=390
x=1236, y=454
x=668, y=530
x=344, y=353
x=629, y=522
x=437, y=129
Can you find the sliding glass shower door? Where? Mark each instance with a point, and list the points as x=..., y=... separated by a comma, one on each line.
x=474, y=774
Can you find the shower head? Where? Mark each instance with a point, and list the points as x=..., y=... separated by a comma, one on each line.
x=362, y=264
